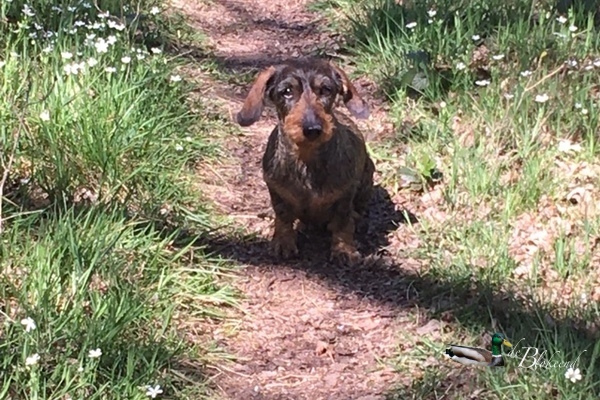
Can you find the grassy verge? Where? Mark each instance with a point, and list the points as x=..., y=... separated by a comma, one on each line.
x=502, y=99
x=98, y=142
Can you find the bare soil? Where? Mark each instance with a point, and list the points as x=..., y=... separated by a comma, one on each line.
x=310, y=329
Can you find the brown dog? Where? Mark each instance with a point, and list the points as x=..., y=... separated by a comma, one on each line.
x=316, y=166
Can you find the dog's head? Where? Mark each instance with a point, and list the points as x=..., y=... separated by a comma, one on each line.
x=304, y=92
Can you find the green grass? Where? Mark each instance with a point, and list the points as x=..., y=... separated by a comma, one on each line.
x=492, y=93
x=98, y=145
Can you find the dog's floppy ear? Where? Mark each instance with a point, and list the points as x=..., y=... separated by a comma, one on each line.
x=357, y=106
x=254, y=103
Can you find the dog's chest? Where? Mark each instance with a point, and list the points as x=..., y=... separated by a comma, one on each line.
x=312, y=187
x=308, y=184
x=310, y=190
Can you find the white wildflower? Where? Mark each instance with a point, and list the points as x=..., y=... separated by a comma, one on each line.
x=431, y=13
x=110, y=70
x=66, y=55
x=155, y=50
x=92, y=62
x=70, y=69
x=411, y=25
x=96, y=353
x=27, y=11
x=44, y=116
x=542, y=98
x=460, y=66
x=112, y=24
x=178, y=147
x=561, y=20
x=508, y=96
x=175, y=78
x=498, y=57
x=482, y=82
x=475, y=37
x=526, y=73
x=32, y=360
x=28, y=322
x=566, y=146
x=583, y=298
x=111, y=40
x=126, y=60
x=573, y=28
x=152, y=392
x=101, y=45
x=154, y=10
x=573, y=375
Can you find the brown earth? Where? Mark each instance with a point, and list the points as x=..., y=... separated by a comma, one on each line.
x=310, y=329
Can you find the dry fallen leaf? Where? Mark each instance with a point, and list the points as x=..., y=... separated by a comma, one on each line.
x=596, y=294
x=522, y=270
x=480, y=56
x=576, y=196
x=430, y=327
x=321, y=348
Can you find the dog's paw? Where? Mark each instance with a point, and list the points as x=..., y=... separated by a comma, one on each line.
x=344, y=253
x=284, y=246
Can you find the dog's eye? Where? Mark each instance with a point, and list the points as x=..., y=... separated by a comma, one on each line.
x=287, y=93
x=325, y=91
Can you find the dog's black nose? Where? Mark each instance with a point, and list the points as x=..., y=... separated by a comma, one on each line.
x=312, y=131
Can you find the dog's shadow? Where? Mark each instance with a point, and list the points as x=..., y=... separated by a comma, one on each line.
x=379, y=219
x=371, y=238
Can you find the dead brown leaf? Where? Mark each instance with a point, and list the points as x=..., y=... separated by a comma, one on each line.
x=432, y=326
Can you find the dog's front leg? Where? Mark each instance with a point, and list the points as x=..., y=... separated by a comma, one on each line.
x=284, y=235
x=342, y=226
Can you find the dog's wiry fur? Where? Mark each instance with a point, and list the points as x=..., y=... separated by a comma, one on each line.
x=315, y=165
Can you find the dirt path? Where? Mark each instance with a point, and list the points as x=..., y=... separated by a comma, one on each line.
x=310, y=330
